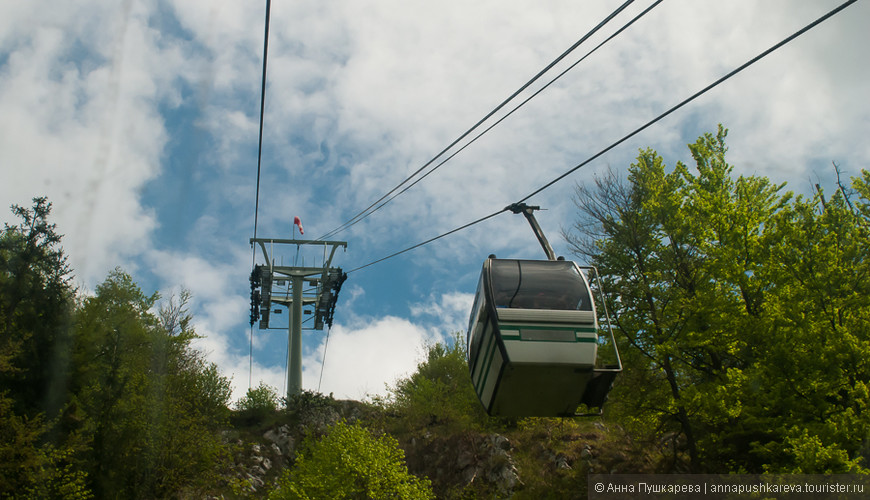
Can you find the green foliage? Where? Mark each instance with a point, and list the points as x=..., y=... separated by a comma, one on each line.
x=59, y=477
x=742, y=311
x=260, y=399
x=35, y=304
x=155, y=406
x=30, y=469
x=351, y=462
x=818, y=331
x=19, y=454
x=439, y=393
x=310, y=408
x=99, y=394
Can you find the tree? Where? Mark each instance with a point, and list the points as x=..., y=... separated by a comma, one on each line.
x=351, y=462
x=98, y=393
x=257, y=405
x=36, y=299
x=723, y=291
x=818, y=335
x=35, y=303
x=658, y=231
x=154, y=406
x=439, y=392
x=263, y=399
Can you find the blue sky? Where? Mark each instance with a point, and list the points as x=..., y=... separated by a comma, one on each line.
x=138, y=119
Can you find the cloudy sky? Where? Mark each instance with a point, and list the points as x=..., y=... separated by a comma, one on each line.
x=139, y=120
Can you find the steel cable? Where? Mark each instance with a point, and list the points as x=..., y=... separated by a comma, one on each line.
x=374, y=206
x=631, y=134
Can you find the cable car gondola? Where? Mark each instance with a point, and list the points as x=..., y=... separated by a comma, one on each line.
x=533, y=337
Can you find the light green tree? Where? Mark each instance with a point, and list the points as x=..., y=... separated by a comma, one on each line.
x=260, y=399
x=351, y=462
x=741, y=310
x=817, y=335
x=661, y=241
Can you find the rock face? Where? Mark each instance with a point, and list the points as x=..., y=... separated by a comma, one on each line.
x=465, y=460
x=281, y=440
x=259, y=459
x=254, y=467
x=524, y=459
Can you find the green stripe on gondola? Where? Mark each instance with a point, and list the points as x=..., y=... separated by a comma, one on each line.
x=527, y=326
x=519, y=329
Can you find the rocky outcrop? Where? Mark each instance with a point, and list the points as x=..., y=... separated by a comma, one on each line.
x=464, y=461
x=259, y=458
x=530, y=458
x=257, y=465
x=281, y=440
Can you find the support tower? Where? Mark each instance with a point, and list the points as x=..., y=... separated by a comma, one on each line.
x=295, y=288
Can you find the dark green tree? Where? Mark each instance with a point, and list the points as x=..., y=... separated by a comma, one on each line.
x=99, y=393
x=154, y=406
x=36, y=299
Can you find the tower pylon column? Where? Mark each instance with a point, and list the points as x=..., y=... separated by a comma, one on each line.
x=294, y=362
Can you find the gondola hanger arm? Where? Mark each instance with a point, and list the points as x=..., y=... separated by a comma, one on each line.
x=529, y=212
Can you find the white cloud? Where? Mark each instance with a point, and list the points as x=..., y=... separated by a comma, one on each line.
x=449, y=313
x=80, y=124
x=361, y=360
x=243, y=370
x=370, y=93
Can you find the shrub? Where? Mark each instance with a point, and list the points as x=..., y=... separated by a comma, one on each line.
x=351, y=462
x=262, y=399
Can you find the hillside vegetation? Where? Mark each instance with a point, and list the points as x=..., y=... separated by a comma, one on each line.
x=741, y=310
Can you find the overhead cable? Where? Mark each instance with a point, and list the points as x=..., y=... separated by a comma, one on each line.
x=523, y=103
x=430, y=240
x=323, y=359
x=262, y=113
x=631, y=134
x=259, y=162
x=374, y=206
x=695, y=96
